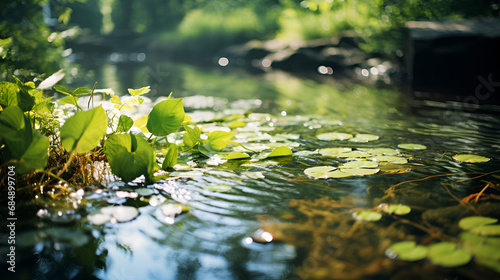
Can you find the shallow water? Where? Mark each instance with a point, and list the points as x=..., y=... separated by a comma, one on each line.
x=315, y=235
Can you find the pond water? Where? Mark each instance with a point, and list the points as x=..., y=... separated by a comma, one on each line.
x=267, y=219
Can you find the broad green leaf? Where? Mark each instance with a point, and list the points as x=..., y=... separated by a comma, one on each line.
x=141, y=124
x=36, y=156
x=448, y=255
x=63, y=90
x=218, y=140
x=68, y=100
x=237, y=155
x=115, y=99
x=192, y=136
x=411, y=146
x=364, y=138
x=81, y=91
x=236, y=124
x=398, y=209
x=486, y=230
x=11, y=118
x=24, y=100
x=382, y=151
x=125, y=123
x=354, y=154
x=475, y=221
x=282, y=151
x=406, y=251
x=368, y=216
x=334, y=136
x=15, y=131
x=171, y=157
x=166, y=117
x=486, y=250
x=8, y=94
x=320, y=172
x=83, y=131
x=129, y=156
x=470, y=158
x=136, y=92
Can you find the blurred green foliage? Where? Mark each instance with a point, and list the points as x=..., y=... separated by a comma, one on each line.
x=28, y=47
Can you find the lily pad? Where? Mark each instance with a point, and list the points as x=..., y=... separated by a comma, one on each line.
x=121, y=213
x=470, y=158
x=475, y=221
x=237, y=155
x=486, y=230
x=334, y=136
x=320, y=172
x=391, y=159
x=334, y=152
x=448, y=255
x=406, y=251
x=382, y=151
x=398, y=209
x=364, y=138
x=354, y=154
x=368, y=216
x=411, y=146
x=360, y=171
x=360, y=164
x=144, y=191
x=281, y=151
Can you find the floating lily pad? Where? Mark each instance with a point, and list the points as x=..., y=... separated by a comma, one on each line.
x=475, y=221
x=333, y=152
x=448, y=255
x=320, y=172
x=334, y=136
x=360, y=164
x=398, y=209
x=407, y=251
x=486, y=230
x=382, y=152
x=339, y=174
x=218, y=188
x=354, y=154
x=470, y=158
x=486, y=250
x=306, y=153
x=121, y=213
x=368, y=216
x=144, y=191
x=411, y=146
x=364, y=138
x=391, y=159
x=360, y=171
x=237, y=155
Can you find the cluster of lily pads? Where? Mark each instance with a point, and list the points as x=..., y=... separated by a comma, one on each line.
x=479, y=240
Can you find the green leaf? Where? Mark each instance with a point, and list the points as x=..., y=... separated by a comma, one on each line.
x=237, y=156
x=398, y=209
x=368, y=216
x=486, y=230
x=171, y=157
x=411, y=146
x=24, y=100
x=68, y=100
x=129, y=156
x=446, y=254
x=382, y=151
x=218, y=188
x=63, y=90
x=475, y=221
x=15, y=131
x=334, y=136
x=390, y=159
x=333, y=152
x=359, y=171
x=282, y=151
x=364, y=138
x=8, y=94
x=191, y=137
x=166, y=117
x=470, y=158
x=407, y=251
x=219, y=139
x=359, y=164
x=83, y=131
x=136, y=92
x=36, y=155
x=81, y=91
x=320, y=172
x=124, y=123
